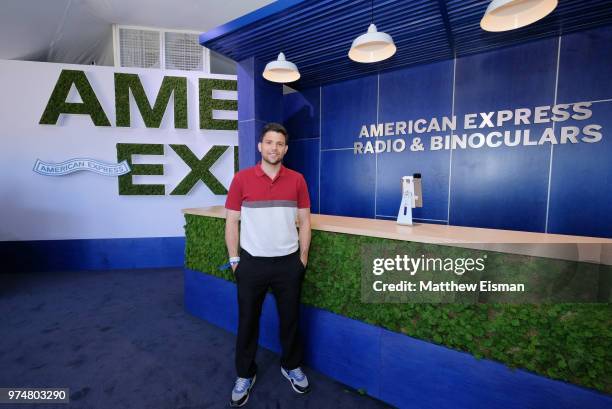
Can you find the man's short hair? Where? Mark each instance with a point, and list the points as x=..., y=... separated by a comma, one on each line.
x=274, y=127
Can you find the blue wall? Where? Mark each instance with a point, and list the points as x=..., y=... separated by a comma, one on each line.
x=565, y=189
x=92, y=254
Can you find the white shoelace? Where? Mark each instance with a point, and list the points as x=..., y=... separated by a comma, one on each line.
x=297, y=373
x=241, y=384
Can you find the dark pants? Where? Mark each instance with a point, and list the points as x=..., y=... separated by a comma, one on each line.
x=254, y=276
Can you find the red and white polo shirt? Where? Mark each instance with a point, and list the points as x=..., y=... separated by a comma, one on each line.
x=268, y=209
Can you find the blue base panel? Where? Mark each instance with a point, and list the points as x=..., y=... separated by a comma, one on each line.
x=395, y=368
x=92, y=254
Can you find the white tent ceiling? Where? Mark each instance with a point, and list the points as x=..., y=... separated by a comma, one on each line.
x=74, y=31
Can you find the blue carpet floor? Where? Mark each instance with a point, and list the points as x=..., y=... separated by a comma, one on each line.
x=122, y=339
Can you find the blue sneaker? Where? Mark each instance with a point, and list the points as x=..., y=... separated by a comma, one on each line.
x=240, y=393
x=298, y=379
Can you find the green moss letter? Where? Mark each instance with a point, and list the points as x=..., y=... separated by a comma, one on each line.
x=236, y=161
x=200, y=169
x=57, y=102
x=207, y=104
x=125, y=152
x=152, y=117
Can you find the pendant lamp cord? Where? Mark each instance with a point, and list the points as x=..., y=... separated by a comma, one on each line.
x=372, y=13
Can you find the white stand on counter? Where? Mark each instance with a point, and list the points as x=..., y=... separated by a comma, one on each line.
x=404, y=216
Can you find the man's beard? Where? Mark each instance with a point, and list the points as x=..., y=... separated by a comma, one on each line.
x=278, y=160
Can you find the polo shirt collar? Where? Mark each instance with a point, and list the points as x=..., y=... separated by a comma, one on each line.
x=259, y=171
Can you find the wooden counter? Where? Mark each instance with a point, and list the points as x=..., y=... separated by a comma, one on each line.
x=558, y=246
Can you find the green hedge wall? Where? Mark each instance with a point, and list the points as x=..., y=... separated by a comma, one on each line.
x=571, y=342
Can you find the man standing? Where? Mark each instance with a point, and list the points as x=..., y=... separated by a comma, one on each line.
x=266, y=199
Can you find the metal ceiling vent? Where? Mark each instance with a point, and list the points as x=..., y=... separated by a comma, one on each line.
x=139, y=48
x=183, y=51
x=145, y=47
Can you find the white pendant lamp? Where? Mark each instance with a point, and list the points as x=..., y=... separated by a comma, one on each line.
x=503, y=15
x=372, y=46
x=281, y=70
